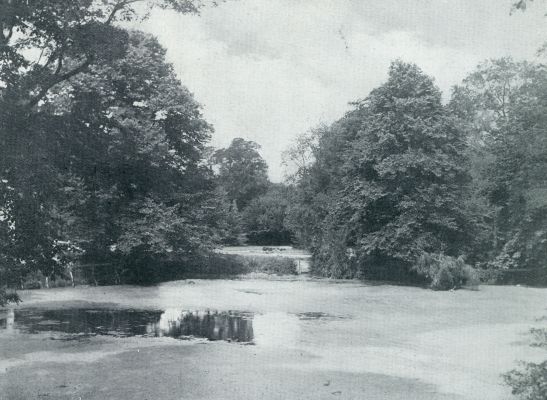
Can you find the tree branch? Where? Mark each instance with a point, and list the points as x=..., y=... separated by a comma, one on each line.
x=58, y=79
x=89, y=60
x=118, y=7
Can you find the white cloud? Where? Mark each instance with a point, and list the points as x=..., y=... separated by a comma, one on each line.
x=269, y=70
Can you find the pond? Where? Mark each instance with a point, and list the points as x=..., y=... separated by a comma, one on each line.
x=231, y=326
x=311, y=339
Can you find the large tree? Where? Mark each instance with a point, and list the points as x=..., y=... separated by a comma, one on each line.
x=242, y=171
x=118, y=170
x=392, y=178
x=503, y=105
x=43, y=45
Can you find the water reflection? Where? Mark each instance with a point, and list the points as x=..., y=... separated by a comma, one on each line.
x=212, y=325
x=229, y=326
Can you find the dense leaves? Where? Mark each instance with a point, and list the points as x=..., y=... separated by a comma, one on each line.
x=118, y=172
x=46, y=42
x=242, y=172
x=264, y=218
x=391, y=179
x=503, y=105
x=529, y=381
x=402, y=177
x=96, y=133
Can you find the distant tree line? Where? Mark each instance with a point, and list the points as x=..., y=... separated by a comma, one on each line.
x=258, y=207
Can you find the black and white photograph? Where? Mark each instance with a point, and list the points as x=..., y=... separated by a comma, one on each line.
x=273, y=200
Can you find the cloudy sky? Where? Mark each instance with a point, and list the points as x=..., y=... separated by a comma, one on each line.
x=268, y=70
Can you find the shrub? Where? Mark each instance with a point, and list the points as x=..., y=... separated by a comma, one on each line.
x=446, y=272
x=442, y=278
x=8, y=297
x=529, y=382
x=222, y=265
x=231, y=264
x=271, y=265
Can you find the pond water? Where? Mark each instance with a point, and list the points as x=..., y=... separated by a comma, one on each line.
x=232, y=326
x=312, y=338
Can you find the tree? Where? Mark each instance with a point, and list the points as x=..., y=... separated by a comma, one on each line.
x=299, y=158
x=392, y=176
x=242, y=171
x=43, y=45
x=147, y=193
x=509, y=101
x=82, y=31
x=122, y=149
x=264, y=218
x=319, y=179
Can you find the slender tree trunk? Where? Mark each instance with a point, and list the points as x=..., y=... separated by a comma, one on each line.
x=71, y=276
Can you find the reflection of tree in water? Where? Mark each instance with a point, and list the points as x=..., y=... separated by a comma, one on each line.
x=81, y=321
x=216, y=325
x=229, y=326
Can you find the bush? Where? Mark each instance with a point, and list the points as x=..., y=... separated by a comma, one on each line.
x=8, y=297
x=271, y=265
x=529, y=382
x=218, y=265
x=232, y=264
x=446, y=272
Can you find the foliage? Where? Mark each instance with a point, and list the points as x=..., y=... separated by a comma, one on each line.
x=529, y=382
x=264, y=218
x=6, y=297
x=228, y=219
x=113, y=165
x=445, y=272
x=271, y=265
x=242, y=172
x=216, y=265
x=503, y=105
x=45, y=48
x=231, y=264
x=299, y=158
x=401, y=175
x=388, y=182
x=150, y=197
x=69, y=37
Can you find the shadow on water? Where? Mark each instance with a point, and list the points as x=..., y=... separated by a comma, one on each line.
x=230, y=326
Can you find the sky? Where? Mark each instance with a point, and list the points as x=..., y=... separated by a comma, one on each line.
x=269, y=70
